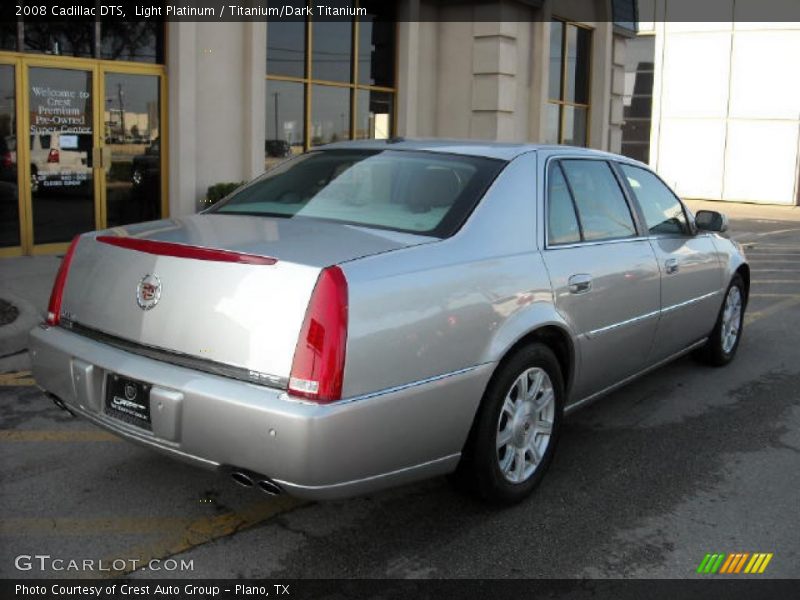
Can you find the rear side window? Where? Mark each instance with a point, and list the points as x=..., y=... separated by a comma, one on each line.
x=419, y=192
x=663, y=212
x=602, y=209
x=561, y=219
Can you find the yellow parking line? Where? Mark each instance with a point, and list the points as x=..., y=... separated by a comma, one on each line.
x=775, y=295
x=90, y=526
x=16, y=379
x=771, y=309
x=38, y=435
x=207, y=529
x=768, y=281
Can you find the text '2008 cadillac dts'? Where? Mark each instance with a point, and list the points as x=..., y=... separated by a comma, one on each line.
x=373, y=313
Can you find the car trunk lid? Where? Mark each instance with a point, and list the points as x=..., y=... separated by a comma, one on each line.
x=220, y=290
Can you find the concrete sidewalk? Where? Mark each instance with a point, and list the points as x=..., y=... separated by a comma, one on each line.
x=26, y=282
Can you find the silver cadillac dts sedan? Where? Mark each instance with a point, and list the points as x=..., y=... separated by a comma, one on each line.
x=373, y=313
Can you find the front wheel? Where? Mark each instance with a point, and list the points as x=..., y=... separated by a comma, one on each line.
x=516, y=429
x=724, y=340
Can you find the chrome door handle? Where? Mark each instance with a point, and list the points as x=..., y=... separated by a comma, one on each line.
x=580, y=283
x=671, y=266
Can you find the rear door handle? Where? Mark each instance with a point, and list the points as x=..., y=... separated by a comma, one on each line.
x=671, y=266
x=580, y=283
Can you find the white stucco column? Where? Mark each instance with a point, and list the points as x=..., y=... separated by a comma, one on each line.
x=253, y=106
x=181, y=108
x=408, y=59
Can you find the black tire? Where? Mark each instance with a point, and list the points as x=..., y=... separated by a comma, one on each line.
x=479, y=471
x=713, y=352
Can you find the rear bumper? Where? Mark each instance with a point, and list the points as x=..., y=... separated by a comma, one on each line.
x=311, y=451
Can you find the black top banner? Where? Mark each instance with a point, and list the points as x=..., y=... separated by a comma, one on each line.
x=623, y=12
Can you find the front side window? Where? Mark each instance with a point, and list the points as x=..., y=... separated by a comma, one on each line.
x=663, y=212
x=569, y=81
x=601, y=206
x=417, y=192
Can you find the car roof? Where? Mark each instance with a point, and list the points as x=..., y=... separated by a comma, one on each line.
x=489, y=149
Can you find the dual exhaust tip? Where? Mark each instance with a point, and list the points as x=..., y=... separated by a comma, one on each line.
x=244, y=478
x=249, y=479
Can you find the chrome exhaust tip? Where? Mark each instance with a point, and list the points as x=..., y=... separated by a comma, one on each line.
x=242, y=478
x=270, y=488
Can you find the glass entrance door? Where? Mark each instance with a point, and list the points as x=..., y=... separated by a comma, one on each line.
x=82, y=147
x=61, y=146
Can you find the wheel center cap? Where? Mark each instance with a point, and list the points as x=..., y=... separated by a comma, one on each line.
x=522, y=427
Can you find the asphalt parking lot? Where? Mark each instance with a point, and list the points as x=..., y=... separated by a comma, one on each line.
x=686, y=461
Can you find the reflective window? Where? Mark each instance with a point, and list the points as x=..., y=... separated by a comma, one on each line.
x=638, y=98
x=562, y=223
x=569, y=82
x=284, y=121
x=9, y=191
x=663, y=213
x=575, y=125
x=577, y=84
x=376, y=43
x=374, y=119
x=330, y=114
x=556, y=59
x=332, y=51
x=336, y=83
x=602, y=209
x=133, y=137
x=8, y=35
x=137, y=41
x=63, y=38
x=286, y=47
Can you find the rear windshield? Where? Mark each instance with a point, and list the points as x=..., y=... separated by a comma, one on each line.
x=426, y=193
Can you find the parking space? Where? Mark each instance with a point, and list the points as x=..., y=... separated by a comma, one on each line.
x=685, y=461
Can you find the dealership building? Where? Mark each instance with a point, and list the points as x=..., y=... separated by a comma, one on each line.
x=134, y=121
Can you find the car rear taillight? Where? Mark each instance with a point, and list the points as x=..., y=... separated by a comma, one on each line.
x=6, y=160
x=54, y=308
x=53, y=156
x=318, y=366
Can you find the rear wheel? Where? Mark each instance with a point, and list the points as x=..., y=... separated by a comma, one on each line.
x=724, y=340
x=516, y=429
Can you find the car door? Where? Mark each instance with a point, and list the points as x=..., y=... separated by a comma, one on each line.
x=603, y=272
x=691, y=272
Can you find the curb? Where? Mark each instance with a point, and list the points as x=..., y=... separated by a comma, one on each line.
x=14, y=336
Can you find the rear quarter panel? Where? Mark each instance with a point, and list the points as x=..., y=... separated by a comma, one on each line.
x=427, y=311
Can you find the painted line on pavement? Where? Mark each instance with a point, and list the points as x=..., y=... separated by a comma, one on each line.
x=16, y=379
x=69, y=526
x=207, y=529
x=775, y=295
x=771, y=310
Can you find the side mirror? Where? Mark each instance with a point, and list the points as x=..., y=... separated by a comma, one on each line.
x=711, y=220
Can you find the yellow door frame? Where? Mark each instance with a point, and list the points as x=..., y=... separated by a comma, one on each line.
x=98, y=69
x=22, y=215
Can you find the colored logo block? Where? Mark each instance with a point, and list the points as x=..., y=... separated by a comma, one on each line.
x=734, y=563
